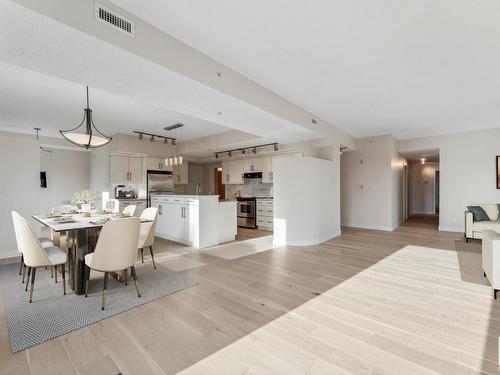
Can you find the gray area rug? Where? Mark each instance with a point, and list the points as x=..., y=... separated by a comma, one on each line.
x=52, y=314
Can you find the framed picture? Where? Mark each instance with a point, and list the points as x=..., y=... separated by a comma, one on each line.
x=498, y=172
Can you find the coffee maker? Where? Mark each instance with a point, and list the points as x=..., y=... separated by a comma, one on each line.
x=124, y=192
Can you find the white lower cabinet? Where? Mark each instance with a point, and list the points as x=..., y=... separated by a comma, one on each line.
x=265, y=214
x=179, y=220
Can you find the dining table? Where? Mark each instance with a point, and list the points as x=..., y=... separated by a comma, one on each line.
x=77, y=235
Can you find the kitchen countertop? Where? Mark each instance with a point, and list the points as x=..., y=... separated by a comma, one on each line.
x=132, y=199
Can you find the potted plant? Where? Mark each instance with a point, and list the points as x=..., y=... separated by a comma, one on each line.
x=84, y=199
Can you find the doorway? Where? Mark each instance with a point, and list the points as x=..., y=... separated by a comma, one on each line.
x=220, y=188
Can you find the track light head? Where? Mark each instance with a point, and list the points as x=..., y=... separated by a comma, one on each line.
x=229, y=154
x=254, y=150
x=243, y=151
x=173, y=142
x=165, y=141
x=216, y=155
x=276, y=147
x=152, y=139
x=140, y=136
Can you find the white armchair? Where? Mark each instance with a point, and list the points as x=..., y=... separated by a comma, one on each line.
x=491, y=259
x=475, y=229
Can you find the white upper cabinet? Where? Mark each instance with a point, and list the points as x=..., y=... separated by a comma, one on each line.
x=181, y=173
x=236, y=170
x=157, y=164
x=267, y=169
x=252, y=165
x=225, y=172
x=126, y=169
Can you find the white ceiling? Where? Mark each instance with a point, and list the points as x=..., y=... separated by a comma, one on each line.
x=408, y=68
x=29, y=99
x=46, y=64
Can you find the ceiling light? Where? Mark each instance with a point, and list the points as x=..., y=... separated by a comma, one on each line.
x=276, y=147
x=173, y=142
x=179, y=159
x=254, y=150
x=152, y=139
x=229, y=154
x=165, y=141
x=166, y=162
x=243, y=151
x=141, y=136
x=87, y=139
x=422, y=160
x=216, y=155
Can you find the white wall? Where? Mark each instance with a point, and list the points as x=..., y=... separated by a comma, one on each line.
x=20, y=184
x=467, y=171
x=422, y=187
x=372, y=184
x=67, y=172
x=306, y=208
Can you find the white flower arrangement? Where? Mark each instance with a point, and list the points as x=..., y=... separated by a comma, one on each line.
x=83, y=197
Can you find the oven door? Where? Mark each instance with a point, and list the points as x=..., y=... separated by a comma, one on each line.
x=247, y=222
x=246, y=209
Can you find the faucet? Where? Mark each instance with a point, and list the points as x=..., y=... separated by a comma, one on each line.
x=198, y=189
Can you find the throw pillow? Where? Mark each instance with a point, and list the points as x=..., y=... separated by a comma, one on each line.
x=478, y=213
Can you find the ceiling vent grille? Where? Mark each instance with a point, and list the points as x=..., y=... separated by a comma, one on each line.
x=113, y=19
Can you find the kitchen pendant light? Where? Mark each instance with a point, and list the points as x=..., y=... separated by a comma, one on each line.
x=87, y=139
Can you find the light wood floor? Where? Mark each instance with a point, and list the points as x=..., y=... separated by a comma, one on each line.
x=353, y=305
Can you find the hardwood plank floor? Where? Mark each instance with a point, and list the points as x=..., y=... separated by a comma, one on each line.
x=356, y=304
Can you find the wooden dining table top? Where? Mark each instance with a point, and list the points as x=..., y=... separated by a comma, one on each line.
x=80, y=222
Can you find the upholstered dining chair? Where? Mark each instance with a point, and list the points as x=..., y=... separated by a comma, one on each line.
x=147, y=232
x=129, y=210
x=115, y=251
x=35, y=255
x=45, y=242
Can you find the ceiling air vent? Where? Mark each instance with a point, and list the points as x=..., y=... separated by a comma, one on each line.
x=113, y=19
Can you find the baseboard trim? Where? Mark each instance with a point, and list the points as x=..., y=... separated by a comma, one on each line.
x=368, y=226
x=443, y=228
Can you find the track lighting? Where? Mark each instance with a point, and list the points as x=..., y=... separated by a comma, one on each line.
x=152, y=139
x=140, y=136
x=165, y=141
x=243, y=151
x=173, y=142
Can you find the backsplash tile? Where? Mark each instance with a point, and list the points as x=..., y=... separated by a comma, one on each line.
x=255, y=188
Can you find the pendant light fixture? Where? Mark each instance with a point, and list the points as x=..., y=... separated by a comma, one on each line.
x=87, y=138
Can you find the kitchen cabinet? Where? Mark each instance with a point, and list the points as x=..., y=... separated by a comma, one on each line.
x=126, y=169
x=265, y=214
x=267, y=169
x=140, y=205
x=252, y=165
x=225, y=172
x=157, y=164
x=232, y=171
x=181, y=172
x=188, y=220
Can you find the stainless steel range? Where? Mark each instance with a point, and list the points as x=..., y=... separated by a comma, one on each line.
x=247, y=217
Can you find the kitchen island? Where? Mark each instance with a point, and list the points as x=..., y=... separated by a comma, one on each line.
x=196, y=220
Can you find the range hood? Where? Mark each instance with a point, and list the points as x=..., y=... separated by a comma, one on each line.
x=252, y=175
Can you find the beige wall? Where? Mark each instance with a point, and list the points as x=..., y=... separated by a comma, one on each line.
x=467, y=171
x=67, y=172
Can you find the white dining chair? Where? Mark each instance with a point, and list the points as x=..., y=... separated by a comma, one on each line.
x=129, y=210
x=147, y=232
x=115, y=251
x=35, y=255
x=45, y=242
x=63, y=208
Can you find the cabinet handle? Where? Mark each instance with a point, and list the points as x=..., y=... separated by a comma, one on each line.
x=227, y=178
x=160, y=209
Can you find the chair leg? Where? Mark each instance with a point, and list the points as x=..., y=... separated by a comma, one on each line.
x=63, y=271
x=152, y=257
x=28, y=280
x=495, y=293
x=125, y=276
x=22, y=263
x=55, y=273
x=132, y=269
x=87, y=277
x=104, y=290
x=142, y=255
x=24, y=272
x=51, y=271
x=33, y=273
